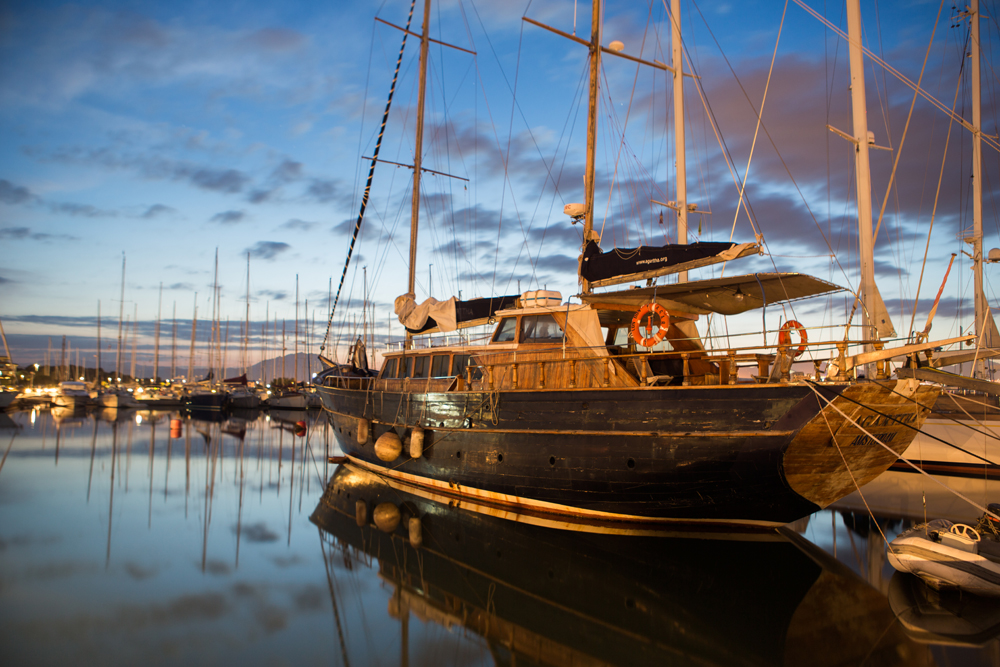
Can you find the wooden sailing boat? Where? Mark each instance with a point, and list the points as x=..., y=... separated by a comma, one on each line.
x=561, y=413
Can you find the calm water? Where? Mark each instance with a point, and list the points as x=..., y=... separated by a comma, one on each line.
x=124, y=541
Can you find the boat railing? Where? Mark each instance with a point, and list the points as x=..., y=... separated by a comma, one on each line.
x=554, y=366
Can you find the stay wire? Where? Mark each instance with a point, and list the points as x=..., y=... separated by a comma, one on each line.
x=371, y=176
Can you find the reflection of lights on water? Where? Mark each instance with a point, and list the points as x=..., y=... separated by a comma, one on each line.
x=138, y=419
x=34, y=414
x=267, y=417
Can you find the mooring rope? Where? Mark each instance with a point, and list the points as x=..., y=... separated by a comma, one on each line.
x=896, y=454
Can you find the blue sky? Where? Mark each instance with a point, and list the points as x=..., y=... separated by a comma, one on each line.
x=167, y=130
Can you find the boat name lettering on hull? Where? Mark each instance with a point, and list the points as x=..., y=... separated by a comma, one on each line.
x=864, y=440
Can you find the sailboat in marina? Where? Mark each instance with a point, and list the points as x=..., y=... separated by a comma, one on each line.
x=614, y=408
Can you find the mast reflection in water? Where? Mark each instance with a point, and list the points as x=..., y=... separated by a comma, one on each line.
x=132, y=537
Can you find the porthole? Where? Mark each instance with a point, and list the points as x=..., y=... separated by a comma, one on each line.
x=499, y=458
x=458, y=455
x=631, y=463
x=552, y=461
x=629, y=603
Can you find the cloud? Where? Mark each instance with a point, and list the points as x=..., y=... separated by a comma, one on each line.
x=81, y=210
x=229, y=217
x=345, y=226
x=287, y=171
x=14, y=194
x=557, y=263
x=187, y=287
x=276, y=40
x=153, y=167
x=273, y=295
x=222, y=180
x=298, y=225
x=4, y=281
x=22, y=233
x=259, y=195
x=322, y=190
x=267, y=249
x=157, y=210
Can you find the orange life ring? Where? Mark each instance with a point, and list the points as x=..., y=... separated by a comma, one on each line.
x=785, y=336
x=651, y=338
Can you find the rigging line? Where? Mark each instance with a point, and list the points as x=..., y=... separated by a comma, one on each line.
x=731, y=164
x=760, y=115
x=913, y=428
x=990, y=141
x=894, y=453
x=937, y=195
x=850, y=472
x=371, y=175
x=628, y=112
x=906, y=127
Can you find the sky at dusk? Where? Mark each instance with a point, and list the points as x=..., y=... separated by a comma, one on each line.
x=163, y=132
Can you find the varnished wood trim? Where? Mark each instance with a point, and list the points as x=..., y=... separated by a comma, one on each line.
x=522, y=503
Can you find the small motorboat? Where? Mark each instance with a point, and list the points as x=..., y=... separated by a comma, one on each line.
x=950, y=555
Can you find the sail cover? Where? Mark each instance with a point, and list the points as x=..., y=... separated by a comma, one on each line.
x=622, y=265
x=433, y=315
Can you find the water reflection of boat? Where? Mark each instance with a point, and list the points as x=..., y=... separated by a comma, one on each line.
x=63, y=416
x=72, y=394
x=937, y=617
x=578, y=597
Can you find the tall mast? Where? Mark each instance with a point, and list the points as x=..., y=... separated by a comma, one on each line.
x=121, y=316
x=679, y=148
x=97, y=371
x=156, y=345
x=863, y=173
x=418, y=150
x=295, y=373
x=246, y=330
x=977, y=184
x=588, y=178
x=194, y=330
x=173, y=347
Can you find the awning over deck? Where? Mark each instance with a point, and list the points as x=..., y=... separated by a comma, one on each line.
x=726, y=296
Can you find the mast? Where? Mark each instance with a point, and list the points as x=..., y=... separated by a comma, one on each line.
x=194, y=329
x=173, y=347
x=588, y=178
x=868, y=294
x=246, y=330
x=135, y=317
x=156, y=345
x=679, y=147
x=295, y=373
x=418, y=150
x=97, y=372
x=121, y=316
x=977, y=187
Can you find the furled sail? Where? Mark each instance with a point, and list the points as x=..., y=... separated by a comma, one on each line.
x=623, y=265
x=433, y=315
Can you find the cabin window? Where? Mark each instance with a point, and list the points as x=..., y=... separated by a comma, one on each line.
x=439, y=365
x=407, y=367
x=507, y=331
x=389, y=368
x=540, y=329
x=420, y=365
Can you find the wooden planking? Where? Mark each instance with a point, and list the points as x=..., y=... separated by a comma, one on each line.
x=813, y=465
